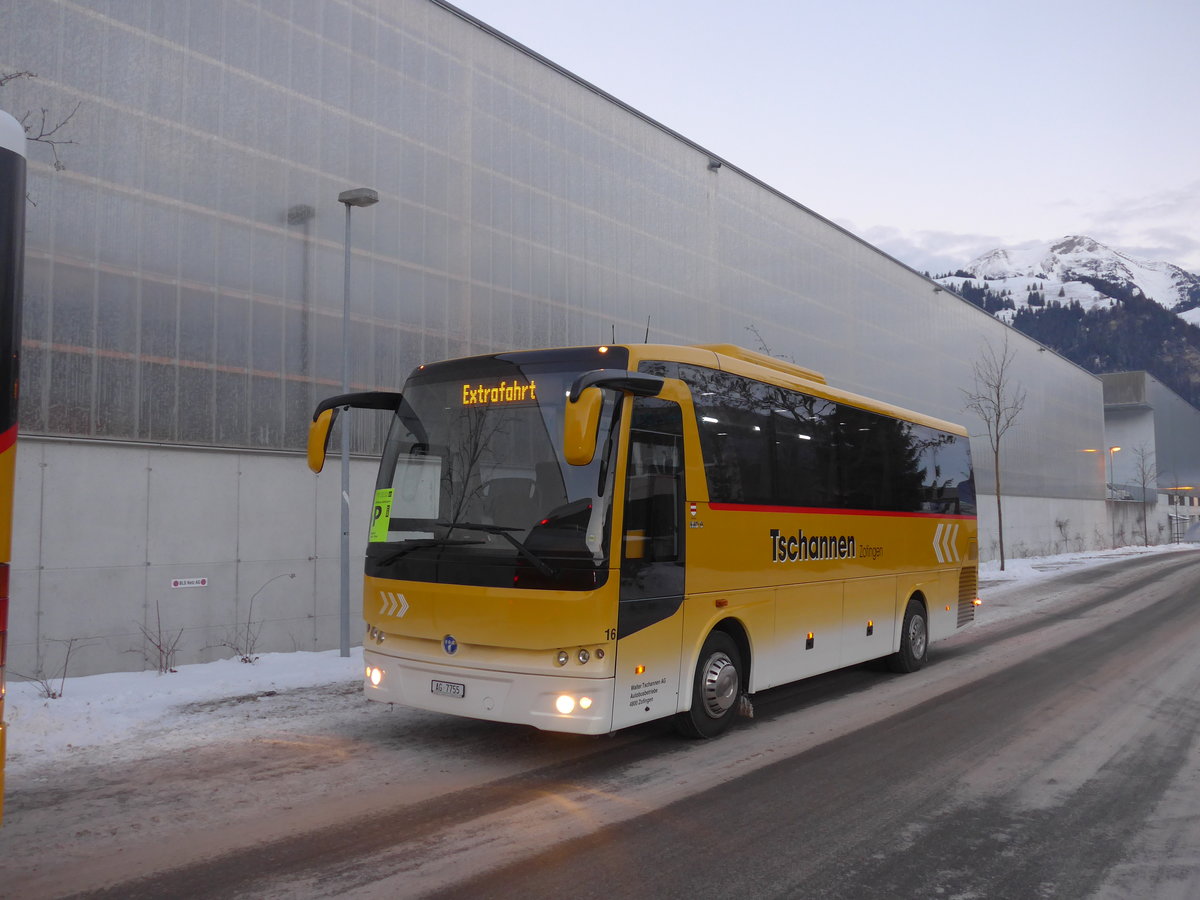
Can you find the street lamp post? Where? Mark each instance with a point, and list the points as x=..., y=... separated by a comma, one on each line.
x=353, y=197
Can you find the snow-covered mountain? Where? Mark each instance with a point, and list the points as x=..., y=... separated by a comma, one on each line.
x=1083, y=269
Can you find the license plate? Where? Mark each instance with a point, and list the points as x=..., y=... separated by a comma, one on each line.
x=449, y=689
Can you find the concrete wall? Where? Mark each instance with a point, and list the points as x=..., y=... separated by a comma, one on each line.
x=102, y=531
x=1036, y=527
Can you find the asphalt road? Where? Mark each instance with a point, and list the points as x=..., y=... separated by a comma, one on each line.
x=1071, y=774
x=1053, y=756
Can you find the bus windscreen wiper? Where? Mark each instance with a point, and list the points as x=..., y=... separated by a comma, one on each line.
x=423, y=544
x=504, y=531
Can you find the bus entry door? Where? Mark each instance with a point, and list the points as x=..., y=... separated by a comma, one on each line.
x=649, y=623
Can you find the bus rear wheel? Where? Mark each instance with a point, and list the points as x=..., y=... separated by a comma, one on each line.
x=914, y=640
x=716, y=688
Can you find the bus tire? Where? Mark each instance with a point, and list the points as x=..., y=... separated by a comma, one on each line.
x=914, y=640
x=716, y=687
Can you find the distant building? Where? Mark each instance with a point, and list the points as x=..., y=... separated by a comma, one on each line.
x=1156, y=471
x=184, y=297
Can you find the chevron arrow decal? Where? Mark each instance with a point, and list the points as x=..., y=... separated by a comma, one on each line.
x=945, y=540
x=392, y=604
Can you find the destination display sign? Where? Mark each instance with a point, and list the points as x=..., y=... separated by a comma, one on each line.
x=504, y=392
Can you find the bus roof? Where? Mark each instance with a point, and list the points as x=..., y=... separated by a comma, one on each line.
x=768, y=369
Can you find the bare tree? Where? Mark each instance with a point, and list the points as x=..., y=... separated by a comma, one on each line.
x=41, y=127
x=1145, y=475
x=166, y=644
x=997, y=401
x=45, y=682
x=764, y=348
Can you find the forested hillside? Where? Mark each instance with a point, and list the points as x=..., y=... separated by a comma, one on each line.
x=1132, y=334
x=1100, y=308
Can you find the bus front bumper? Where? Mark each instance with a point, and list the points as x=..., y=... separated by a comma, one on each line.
x=549, y=702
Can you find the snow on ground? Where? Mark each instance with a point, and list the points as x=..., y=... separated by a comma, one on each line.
x=127, y=715
x=133, y=715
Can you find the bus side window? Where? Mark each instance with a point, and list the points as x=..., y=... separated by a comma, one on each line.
x=651, y=527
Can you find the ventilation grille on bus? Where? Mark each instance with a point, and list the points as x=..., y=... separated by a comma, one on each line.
x=968, y=588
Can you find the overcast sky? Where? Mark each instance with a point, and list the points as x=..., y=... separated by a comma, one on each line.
x=935, y=129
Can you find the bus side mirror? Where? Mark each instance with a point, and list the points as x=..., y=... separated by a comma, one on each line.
x=318, y=439
x=326, y=414
x=580, y=423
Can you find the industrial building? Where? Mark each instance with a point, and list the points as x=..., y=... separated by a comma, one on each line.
x=1152, y=440
x=184, y=298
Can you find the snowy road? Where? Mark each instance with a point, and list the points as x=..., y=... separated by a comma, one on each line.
x=1051, y=754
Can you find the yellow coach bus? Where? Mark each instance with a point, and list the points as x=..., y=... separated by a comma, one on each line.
x=586, y=539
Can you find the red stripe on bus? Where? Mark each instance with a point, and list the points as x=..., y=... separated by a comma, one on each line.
x=8, y=438
x=819, y=511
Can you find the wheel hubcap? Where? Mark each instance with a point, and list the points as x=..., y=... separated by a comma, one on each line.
x=917, y=638
x=719, y=685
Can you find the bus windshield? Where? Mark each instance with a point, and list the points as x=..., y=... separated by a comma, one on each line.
x=473, y=487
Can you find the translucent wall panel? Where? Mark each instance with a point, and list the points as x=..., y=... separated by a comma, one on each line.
x=185, y=281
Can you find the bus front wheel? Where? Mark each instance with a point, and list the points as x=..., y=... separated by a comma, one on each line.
x=914, y=640
x=715, y=688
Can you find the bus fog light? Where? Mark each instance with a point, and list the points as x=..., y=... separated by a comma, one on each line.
x=585, y=702
x=565, y=704
x=376, y=676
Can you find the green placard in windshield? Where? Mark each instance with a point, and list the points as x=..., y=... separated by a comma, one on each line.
x=381, y=516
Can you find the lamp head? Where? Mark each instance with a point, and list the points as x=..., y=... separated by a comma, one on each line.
x=359, y=197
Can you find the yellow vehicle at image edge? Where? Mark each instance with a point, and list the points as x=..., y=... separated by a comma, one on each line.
x=585, y=539
x=12, y=257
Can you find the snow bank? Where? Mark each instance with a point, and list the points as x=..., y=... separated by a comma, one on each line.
x=131, y=707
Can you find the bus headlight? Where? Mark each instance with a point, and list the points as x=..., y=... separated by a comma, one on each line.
x=375, y=675
x=562, y=657
x=585, y=703
x=565, y=704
